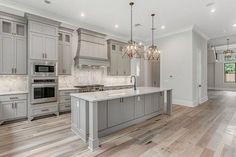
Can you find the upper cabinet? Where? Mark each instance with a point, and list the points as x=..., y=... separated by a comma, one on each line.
x=119, y=64
x=64, y=51
x=43, y=38
x=13, y=50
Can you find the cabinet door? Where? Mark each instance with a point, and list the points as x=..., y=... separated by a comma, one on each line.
x=51, y=47
x=8, y=54
x=102, y=115
x=36, y=46
x=155, y=101
x=148, y=104
x=60, y=59
x=113, y=60
x=21, y=108
x=139, y=106
x=121, y=66
x=126, y=67
x=20, y=29
x=128, y=109
x=115, y=112
x=21, y=57
x=6, y=27
x=67, y=59
x=8, y=111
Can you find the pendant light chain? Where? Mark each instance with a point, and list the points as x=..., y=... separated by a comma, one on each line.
x=131, y=4
x=153, y=29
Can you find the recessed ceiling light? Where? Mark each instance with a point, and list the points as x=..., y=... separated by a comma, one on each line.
x=82, y=14
x=140, y=43
x=47, y=1
x=116, y=26
x=163, y=27
x=234, y=25
x=213, y=10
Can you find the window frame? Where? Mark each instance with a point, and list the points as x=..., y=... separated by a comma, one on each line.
x=234, y=82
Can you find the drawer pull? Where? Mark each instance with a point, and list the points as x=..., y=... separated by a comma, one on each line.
x=67, y=99
x=45, y=110
x=67, y=106
x=13, y=98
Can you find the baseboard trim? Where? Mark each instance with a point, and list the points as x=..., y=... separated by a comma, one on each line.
x=223, y=89
x=184, y=103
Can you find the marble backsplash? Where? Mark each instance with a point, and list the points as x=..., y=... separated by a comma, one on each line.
x=83, y=76
x=91, y=76
x=13, y=83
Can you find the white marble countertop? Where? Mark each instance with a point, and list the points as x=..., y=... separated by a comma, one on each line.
x=115, y=94
x=13, y=92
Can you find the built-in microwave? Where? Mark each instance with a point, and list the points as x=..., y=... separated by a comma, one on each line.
x=43, y=68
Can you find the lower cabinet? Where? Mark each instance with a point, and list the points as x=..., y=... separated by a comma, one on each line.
x=102, y=115
x=12, y=109
x=154, y=103
x=65, y=99
x=139, y=106
x=120, y=111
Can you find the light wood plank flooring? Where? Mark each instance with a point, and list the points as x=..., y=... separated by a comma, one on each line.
x=205, y=131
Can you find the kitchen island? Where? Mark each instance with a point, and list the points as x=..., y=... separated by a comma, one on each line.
x=97, y=114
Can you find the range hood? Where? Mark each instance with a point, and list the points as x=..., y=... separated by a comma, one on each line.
x=92, y=49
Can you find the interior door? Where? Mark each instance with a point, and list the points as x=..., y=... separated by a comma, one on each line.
x=199, y=76
x=8, y=54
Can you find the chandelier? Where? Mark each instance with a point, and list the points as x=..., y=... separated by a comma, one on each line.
x=132, y=49
x=228, y=52
x=152, y=52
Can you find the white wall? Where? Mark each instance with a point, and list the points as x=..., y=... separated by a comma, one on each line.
x=179, y=66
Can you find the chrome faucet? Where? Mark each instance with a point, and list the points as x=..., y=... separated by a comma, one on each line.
x=135, y=85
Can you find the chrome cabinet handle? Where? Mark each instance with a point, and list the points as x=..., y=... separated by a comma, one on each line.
x=46, y=55
x=42, y=55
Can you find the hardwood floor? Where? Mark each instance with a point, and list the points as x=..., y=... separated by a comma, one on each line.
x=205, y=131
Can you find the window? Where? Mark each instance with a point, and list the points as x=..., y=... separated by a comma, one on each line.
x=230, y=72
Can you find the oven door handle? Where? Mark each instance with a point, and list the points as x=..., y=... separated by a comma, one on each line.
x=44, y=85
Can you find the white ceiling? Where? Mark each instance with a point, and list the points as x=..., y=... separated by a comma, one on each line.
x=104, y=14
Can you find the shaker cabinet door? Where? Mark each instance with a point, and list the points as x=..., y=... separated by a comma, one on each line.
x=21, y=56
x=51, y=48
x=8, y=54
x=36, y=46
x=8, y=111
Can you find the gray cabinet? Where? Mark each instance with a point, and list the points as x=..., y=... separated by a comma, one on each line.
x=64, y=52
x=120, y=111
x=139, y=106
x=154, y=103
x=102, y=115
x=13, y=107
x=12, y=47
x=119, y=64
x=65, y=99
x=43, y=38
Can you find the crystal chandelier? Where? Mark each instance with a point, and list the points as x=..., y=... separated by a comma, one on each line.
x=132, y=49
x=152, y=52
x=228, y=52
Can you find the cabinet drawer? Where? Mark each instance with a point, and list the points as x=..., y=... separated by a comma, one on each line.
x=64, y=98
x=64, y=107
x=15, y=97
x=68, y=92
x=45, y=110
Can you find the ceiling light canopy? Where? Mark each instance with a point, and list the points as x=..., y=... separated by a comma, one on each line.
x=47, y=1
x=132, y=49
x=82, y=14
x=152, y=52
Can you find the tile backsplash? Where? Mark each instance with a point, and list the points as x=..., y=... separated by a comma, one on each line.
x=13, y=83
x=91, y=76
x=79, y=77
